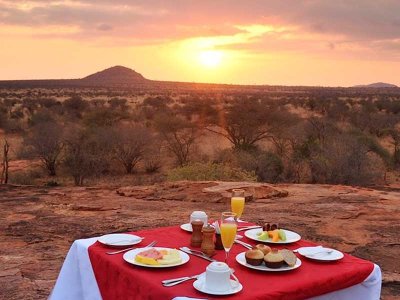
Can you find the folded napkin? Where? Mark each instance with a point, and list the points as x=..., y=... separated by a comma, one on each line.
x=312, y=250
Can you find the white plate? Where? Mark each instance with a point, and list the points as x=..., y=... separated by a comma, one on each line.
x=119, y=239
x=291, y=236
x=129, y=257
x=241, y=259
x=322, y=256
x=187, y=227
x=200, y=285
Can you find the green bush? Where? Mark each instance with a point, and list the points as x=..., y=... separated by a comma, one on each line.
x=210, y=171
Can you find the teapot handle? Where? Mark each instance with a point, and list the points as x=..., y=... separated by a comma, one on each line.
x=234, y=277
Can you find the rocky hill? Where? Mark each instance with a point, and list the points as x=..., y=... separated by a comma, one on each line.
x=38, y=225
x=114, y=76
x=377, y=85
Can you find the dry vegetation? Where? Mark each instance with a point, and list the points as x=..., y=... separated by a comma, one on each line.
x=300, y=135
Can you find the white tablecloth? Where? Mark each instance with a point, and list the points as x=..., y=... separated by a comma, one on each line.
x=76, y=280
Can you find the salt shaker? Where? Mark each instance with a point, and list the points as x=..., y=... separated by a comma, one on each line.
x=197, y=237
x=207, y=245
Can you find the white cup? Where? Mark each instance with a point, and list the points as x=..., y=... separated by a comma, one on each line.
x=218, y=276
x=199, y=215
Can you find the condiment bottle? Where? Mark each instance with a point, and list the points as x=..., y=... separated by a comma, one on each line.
x=207, y=245
x=197, y=237
x=218, y=242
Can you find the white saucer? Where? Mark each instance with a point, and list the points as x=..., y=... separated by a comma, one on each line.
x=187, y=227
x=119, y=239
x=200, y=285
x=332, y=255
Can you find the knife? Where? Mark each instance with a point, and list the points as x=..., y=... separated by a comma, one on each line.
x=198, y=255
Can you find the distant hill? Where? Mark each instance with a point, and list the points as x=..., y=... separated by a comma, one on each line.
x=377, y=85
x=123, y=77
x=113, y=76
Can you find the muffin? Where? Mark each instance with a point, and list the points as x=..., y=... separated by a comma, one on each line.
x=254, y=257
x=264, y=248
x=289, y=257
x=274, y=259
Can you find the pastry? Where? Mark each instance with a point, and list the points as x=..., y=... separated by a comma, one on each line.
x=254, y=257
x=264, y=248
x=274, y=259
x=289, y=257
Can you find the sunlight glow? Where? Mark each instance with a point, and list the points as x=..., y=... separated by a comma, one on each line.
x=210, y=58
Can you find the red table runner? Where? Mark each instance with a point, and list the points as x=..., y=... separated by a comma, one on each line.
x=119, y=280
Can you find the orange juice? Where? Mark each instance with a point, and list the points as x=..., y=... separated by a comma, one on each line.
x=228, y=234
x=237, y=205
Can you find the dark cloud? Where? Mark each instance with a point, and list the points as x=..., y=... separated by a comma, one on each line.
x=104, y=27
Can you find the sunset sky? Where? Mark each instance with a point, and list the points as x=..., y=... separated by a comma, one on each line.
x=311, y=42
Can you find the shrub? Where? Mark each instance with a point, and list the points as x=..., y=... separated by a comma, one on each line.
x=25, y=177
x=347, y=160
x=266, y=165
x=210, y=171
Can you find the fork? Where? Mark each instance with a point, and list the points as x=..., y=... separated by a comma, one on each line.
x=248, y=246
x=249, y=227
x=127, y=249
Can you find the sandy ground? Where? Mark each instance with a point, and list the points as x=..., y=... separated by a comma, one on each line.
x=38, y=225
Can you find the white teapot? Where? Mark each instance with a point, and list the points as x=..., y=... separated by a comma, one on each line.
x=218, y=277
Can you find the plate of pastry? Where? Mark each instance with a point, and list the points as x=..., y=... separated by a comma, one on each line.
x=263, y=258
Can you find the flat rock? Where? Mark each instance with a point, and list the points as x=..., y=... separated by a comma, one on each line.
x=38, y=225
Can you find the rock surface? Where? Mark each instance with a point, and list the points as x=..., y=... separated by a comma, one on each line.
x=38, y=225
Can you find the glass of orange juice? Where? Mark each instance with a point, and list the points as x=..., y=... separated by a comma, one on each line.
x=237, y=202
x=228, y=231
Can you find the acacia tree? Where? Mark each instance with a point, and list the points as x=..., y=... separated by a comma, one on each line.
x=46, y=141
x=179, y=135
x=4, y=171
x=129, y=145
x=86, y=153
x=247, y=122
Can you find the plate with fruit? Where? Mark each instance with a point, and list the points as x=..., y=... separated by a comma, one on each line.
x=273, y=234
x=156, y=257
x=263, y=258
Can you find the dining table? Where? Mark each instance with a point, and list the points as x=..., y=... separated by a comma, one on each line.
x=88, y=272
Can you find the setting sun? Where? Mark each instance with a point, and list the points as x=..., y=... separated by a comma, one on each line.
x=210, y=58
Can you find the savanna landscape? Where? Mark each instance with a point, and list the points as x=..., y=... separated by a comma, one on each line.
x=89, y=157
x=121, y=116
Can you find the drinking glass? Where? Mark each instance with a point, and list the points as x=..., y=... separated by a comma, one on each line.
x=228, y=231
x=237, y=202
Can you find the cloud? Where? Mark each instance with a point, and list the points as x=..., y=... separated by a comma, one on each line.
x=310, y=23
x=104, y=27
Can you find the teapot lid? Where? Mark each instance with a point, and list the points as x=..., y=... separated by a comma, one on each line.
x=198, y=213
x=218, y=266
